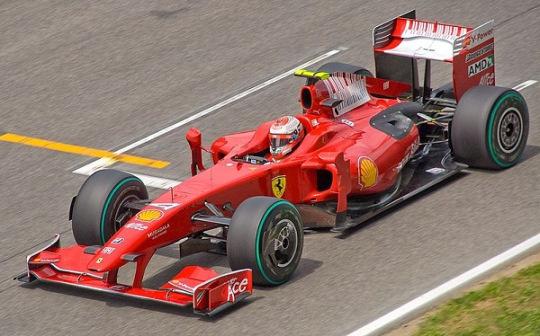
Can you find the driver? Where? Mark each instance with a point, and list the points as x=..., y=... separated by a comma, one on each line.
x=285, y=134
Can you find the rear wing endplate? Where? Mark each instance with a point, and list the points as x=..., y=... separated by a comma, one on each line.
x=400, y=42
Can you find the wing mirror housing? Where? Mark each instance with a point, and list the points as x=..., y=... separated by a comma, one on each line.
x=194, y=138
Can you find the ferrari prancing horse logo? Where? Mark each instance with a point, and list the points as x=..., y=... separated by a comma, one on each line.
x=279, y=183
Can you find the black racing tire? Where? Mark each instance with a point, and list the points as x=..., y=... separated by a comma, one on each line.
x=98, y=210
x=340, y=67
x=490, y=127
x=266, y=235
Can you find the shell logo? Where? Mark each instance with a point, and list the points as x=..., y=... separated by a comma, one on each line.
x=367, y=172
x=466, y=42
x=149, y=215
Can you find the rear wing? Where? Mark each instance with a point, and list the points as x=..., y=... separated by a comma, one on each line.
x=400, y=42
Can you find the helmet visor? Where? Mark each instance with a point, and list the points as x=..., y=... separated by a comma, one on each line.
x=278, y=141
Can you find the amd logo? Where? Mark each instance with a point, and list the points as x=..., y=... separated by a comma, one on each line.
x=480, y=66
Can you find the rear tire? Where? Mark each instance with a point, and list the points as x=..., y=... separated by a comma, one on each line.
x=98, y=210
x=332, y=67
x=266, y=235
x=490, y=127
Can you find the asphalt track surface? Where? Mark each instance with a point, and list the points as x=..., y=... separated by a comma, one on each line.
x=106, y=73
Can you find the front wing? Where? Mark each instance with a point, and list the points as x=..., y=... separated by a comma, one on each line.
x=202, y=288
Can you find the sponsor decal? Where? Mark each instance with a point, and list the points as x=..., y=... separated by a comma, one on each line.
x=108, y=250
x=45, y=260
x=386, y=85
x=118, y=240
x=367, y=172
x=475, y=54
x=481, y=65
x=466, y=42
x=408, y=154
x=347, y=122
x=137, y=226
x=159, y=231
x=99, y=260
x=49, y=260
x=179, y=284
x=236, y=287
x=487, y=79
x=149, y=215
x=479, y=35
x=279, y=183
x=165, y=206
x=48, y=271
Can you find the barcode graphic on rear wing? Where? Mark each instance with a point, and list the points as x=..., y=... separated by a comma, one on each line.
x=433, y=30
x=349, y=88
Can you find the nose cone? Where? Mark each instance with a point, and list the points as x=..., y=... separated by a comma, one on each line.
x=150, y=228
x=108, y=258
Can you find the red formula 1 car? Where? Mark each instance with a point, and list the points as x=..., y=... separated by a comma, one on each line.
x=361, y=145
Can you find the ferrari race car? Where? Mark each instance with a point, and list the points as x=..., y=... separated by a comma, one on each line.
x=361, y=145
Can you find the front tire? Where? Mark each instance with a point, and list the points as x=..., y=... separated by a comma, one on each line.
x=490, y=127
x=266, y=235
x=98, y=210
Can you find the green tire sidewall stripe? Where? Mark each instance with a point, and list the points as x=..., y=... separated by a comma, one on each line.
x=491, y=123
x=258, y=238
x=108, y=202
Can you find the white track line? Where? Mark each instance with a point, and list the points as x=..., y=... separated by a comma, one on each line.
x=102, y=163
x=149, y=181
x=525, y=84
x=426, y=300
x=156, y=182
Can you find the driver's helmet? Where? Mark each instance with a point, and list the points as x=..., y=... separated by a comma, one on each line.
x=285, y=134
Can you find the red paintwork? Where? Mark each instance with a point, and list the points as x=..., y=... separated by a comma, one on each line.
x=335, y=145
x=202, y=288
x=232, y=181
x=462, y=81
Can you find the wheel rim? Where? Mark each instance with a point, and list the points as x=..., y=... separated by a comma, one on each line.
x=510, y=102
x=122, y=214
x=110, y=198
x=510, y=130
x=281, y=244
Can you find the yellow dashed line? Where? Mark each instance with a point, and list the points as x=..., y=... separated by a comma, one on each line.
x=80, y=150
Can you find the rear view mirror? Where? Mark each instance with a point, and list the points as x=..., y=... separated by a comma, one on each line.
x=194, y=138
